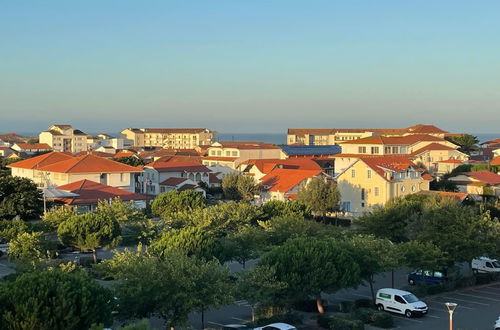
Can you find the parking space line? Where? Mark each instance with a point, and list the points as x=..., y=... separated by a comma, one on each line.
x=406, y=319
x=215, y=323
x=477, y=297
x=433, y=316
x=238, y=319
x=438, y=310
x=483, y=292
x=467, y=301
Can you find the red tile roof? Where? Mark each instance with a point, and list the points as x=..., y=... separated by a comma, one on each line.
x=418, y=129
x=34, y=146
x=451, y=161
x=212, y=178
x=41, y=161
x=392, y=163
x=222, y=159
x=89, y=164
x=425, y=129
x=486, y=177
x=173, y=182
x=175, y=130
x=174, y=166
x=91, y=192
x=267, y=165
x=95, y=153
x=432, y=146
x=247, y=145
x=284, y=180
x=495, y=161
x=395, y=140
x=124, y=153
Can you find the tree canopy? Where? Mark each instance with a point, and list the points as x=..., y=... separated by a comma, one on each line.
x=19, y=197
x=168, y=204
x=239, y=187
x=320, y=195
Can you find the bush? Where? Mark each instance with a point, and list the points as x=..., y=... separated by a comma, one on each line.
x=346, y=306
x=382, y=320
x=366, y=303
x=338, y=322
x=323, y=320
x=308, y=305
x=364, y=314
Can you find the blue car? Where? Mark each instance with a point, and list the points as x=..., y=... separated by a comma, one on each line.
x=426, y=277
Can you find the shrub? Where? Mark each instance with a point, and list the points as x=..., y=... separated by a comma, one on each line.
x=382, y=320
x=323, y=320
x=308, y=305
x=346, y=306
x=364, y=314
x=345, y=323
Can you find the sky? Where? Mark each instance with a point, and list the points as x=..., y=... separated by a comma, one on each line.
x=249, y=65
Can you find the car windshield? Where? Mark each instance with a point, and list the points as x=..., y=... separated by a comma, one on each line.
x=410, y=298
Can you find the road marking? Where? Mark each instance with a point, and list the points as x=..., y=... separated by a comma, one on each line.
x=492, y=293
x=238, y=319
x=361, y=295
x=433, y=316
x=407, y=319
x=467, y=301
x=221, y=325
x=478, y=297
x=438, y=310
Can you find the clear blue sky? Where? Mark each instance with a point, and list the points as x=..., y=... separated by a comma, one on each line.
x=249, y=65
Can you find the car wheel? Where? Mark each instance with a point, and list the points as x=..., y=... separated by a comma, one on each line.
x=408, y=313
x=412, y=282
x=380, y=307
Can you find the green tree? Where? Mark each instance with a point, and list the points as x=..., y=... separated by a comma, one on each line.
x=192, y=241
x=259, y=286
x=239, y=187
x=321, y=195
x=374, y=256
x=89, y=231
x=169, y=287
x=444, y=185
x=10, y=229
x=312, y=266
x=130, y=160
x=467, y=142
x=28, y=249
x=170, y=203
x=421, y=255
x=19, y=197
x=48, y=300
x=56, y=216
x=276, y=208
x=245, y=244
x=122, y=211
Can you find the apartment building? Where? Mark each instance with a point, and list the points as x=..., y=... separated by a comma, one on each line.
x=169, y=138
x=329, y=136
x=64, y=138
x=376, y=180
x=231, y=154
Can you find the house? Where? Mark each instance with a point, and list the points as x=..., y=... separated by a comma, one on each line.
x=154, y=155
x=446, y=166
x=371, y=181
x=231, y=154
x=95, y=153
x=258, y=168
x=31, y=148
x=64, y=138
x=173, y=138
x=126, y=153
x=459, y=197
x=90, y=193
x=180, y=184
x=106, y=149
x=5, y=151
x=28, y=168
x=157, y=173
x=68, y=170
x=478, y=184
x=332, y=136
x=284, y=183
x=9, y=139
x=432, y=154
x=495, y=161
x=312, y=151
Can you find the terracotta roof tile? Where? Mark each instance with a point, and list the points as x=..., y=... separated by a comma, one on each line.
x=174, y=166
x=495, y=161
x=395, y=140
x=284, y=180
x=41, y=161
x=34, y=146
x=392, y=163
x=432, y=146
x=89, y=164
x=174, y=182
x=485, y=177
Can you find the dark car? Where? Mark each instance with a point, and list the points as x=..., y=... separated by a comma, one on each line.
x=427, y=277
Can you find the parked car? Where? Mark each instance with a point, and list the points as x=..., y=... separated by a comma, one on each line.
x=277, y=326
x=485, y=265
x=399, y=301
x=236, y=327
x=497, y=324
x=427, y=277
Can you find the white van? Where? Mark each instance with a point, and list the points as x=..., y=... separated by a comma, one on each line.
x=399, y=301
x=485, y=265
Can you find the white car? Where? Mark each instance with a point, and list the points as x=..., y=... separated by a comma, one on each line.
x=485, y=265
x=399, y=301
x=497, y=324
x=277, y=326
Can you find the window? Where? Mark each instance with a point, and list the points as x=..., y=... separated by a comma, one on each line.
x=374, y=150
x=387, y=150
x=403, y=188
x=121, y=176
x=219, y=153
x=376, y=191
x=362, y=204
x=212, y=152
x=228, y=153
x=346, y=206
x=394, y=150
x=362, y=150
x=369, y=174
x=384, y=295
x=399, y=300
x=353, y=173
x=363, y=194
x=235, y=153
x=489, y=265
x=413, y=188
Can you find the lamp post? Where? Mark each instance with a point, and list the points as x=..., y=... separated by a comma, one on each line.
x=451, y=307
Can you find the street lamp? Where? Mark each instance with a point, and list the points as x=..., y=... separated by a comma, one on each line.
x=451, y=307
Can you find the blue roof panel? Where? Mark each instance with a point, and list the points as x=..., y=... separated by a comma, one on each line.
x=298, y=150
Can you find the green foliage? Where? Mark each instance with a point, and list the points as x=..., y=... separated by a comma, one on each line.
x=312, y=266
x=281, y=229
x=259, y=285
x=130, y=160
x=220, y=219
x=169, y=287
x=89, y=231
x=10, y=229
x=382, y=320
x=246, y=244
x=49, y=300
x=141, y=325
x=422, y=255
x=120, y=210
x=27, y=249
x=365, y=315
x=142, y=231
x=192, y=241
x=340, y=321
x=239, y=187
x=275, y=208
x=56, y=216
x=168, y=204
x=467, y=142
x=443, y=185
x=320, y=195
x=19, y=197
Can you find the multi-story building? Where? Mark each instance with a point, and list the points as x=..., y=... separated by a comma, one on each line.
x=308, y=136
x=171, y=138
x=64, y=138
x=231, y=154
x=376, y=180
